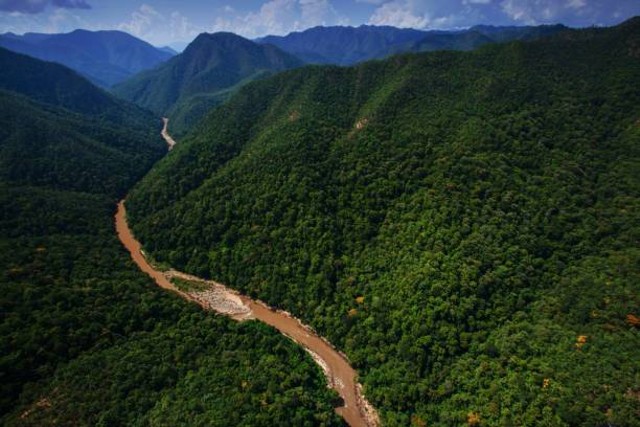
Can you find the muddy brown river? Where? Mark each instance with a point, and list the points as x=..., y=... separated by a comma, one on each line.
x=356, y=411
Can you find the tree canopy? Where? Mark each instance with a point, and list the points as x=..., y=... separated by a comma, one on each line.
x=463, y=225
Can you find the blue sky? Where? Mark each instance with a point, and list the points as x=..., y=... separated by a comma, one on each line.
x=168, y=21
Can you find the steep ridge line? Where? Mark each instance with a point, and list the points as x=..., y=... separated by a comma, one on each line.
x=357, y=411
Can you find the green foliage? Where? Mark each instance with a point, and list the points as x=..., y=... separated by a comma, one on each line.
x=54, y=84
x=88, y=339
x=455, y=222
x=51, y=147
x=188, y=285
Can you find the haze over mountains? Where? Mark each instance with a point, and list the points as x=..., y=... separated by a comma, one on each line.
x=187, y=86
x=206, y=73
x=104, y=57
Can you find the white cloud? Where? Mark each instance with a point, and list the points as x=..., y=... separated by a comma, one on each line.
x=431, y=14
x=182, y=28
x=57, y=21
x=269, y=16
x=533, y=12
x=280, y=17
x=149, y=24
x=451, y=14
x=62, y=20
x=317, y=11
x=398, y=14
x=526, y=11
x=142, y=22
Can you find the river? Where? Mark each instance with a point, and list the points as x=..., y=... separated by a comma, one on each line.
x=356, y=411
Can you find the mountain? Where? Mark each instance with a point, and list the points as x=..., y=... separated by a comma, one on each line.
x=85, y=337
x=57, y=125
x=57, y=85
x=210, y=68
x=463, y=225
x=104, y=57
x=344, y=45
x=351, y=45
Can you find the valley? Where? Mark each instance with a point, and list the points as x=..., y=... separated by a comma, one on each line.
x=356, y=411
x=87, y=338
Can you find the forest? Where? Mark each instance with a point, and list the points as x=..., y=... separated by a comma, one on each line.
x=464, y=225
x=88, y=339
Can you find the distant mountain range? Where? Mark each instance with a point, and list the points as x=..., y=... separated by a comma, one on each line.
x=104, y=57
x=350, y=45
x=189, y=84
x=186, y=86
x=213, y=66
x=110, y=57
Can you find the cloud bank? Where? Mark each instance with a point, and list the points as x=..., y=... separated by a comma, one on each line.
x=448, y=14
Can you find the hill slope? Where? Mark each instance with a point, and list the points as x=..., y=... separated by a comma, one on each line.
x=202, y=75
x=350, y=45
x=57, y=85
x=86, y=338
x=44, y=146
x=104, y=57
x=61, y=131
x=462, y=225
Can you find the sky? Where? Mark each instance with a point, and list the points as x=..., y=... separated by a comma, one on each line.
x=167, y=22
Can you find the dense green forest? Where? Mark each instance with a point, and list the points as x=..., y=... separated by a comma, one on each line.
x=464, y=226
x=54, y=84
x=86, y=338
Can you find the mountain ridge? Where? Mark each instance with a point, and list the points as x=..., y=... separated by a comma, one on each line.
x=186, y=86
x=347, y=45
x=57, y=85
x=105, y=57
x=65, y=113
